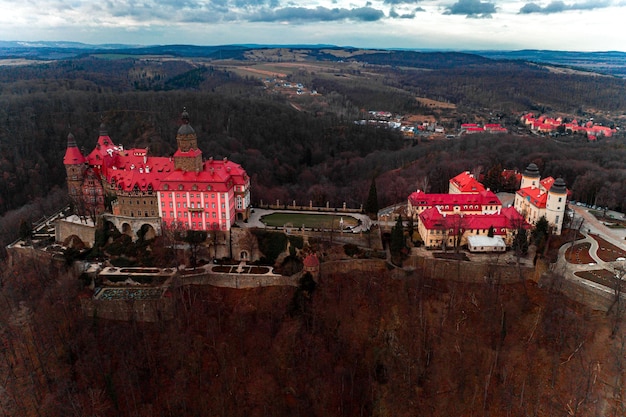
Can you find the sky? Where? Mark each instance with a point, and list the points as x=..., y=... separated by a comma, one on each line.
x=570, y=25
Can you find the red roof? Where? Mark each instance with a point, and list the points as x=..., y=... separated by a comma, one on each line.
x=134, y=167
x=73, y=156
x=311, y=261
x=465, y=202
x=506, y=219
x=536, y=196
x=466, y=183
x=546, y=183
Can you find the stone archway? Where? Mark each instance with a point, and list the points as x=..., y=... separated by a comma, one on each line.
x=147, y=231
x=128, y=230
x=148, y=227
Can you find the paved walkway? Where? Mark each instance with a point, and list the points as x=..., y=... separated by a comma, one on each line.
x=596, y=227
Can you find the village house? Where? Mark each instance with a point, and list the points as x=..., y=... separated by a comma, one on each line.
x=544, y=124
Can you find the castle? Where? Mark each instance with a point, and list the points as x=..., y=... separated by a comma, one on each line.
x=131, y=187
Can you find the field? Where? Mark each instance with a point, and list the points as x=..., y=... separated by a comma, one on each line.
x=308, y=220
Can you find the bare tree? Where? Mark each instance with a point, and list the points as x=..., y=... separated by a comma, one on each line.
x=617, y=306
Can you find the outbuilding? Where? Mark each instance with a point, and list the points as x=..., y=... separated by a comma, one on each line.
x=485, y=244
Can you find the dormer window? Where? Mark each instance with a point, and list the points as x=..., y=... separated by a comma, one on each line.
x=166, y=187
x=180, y=187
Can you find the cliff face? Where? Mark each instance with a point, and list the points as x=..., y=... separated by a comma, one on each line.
x=354, y=345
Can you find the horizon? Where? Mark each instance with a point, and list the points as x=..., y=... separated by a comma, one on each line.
x=456, y=25
x=68, y=44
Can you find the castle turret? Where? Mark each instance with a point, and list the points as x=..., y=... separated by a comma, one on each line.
x=530, y=177
x=188, y=157
x=75, y=168
x=555, y=205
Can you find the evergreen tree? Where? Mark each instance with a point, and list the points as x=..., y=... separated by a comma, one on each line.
x=541, y=231
x=520, y=242
x=397, y=243
x=371, y=205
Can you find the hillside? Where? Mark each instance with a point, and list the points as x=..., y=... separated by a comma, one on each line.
x=354, y=346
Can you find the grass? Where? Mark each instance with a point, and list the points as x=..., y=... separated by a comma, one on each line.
x=315, y=221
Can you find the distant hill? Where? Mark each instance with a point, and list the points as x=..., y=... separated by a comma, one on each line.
x=611, y=62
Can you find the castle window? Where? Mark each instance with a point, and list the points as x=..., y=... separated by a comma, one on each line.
x=194, y=187
x=180, y=187
x=166, y=187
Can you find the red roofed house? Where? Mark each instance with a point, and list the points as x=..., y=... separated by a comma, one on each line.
x=465, y=183
x=537, y=198
x=311, y=265
x=183, y=190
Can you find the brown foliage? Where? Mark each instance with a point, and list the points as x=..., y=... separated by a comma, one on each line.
x=365, y=345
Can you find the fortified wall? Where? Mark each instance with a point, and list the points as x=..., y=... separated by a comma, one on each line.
x=72, y=226
x=471, y=271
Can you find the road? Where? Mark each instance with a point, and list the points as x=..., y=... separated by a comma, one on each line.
x=592, y=225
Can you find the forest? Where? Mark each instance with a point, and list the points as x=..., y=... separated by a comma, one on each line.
x=364, y=344
x=312, y=154
x=386, y=343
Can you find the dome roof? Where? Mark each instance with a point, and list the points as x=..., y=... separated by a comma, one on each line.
x=185, y=128
x=531, y=171
x=559, y=186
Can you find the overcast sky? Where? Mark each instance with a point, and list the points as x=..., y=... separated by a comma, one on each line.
x=576, y=25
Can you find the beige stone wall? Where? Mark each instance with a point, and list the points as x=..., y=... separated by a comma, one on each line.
x=136, y=205
x=469, y=271
x=65, y=229
x=243, y=240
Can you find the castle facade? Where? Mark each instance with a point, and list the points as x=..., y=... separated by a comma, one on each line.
x=184, y=190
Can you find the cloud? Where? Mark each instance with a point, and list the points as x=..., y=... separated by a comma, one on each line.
x=472, y=8
x=397, y=2
x=395, y=15
x=318, y=14
x=558, y=6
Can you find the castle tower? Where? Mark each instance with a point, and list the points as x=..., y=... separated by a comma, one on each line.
x=530, y=177
x=555, y=205
x=75, y=168
x=188, y=157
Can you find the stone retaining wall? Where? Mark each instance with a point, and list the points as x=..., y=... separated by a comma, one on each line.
x=470, y=271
